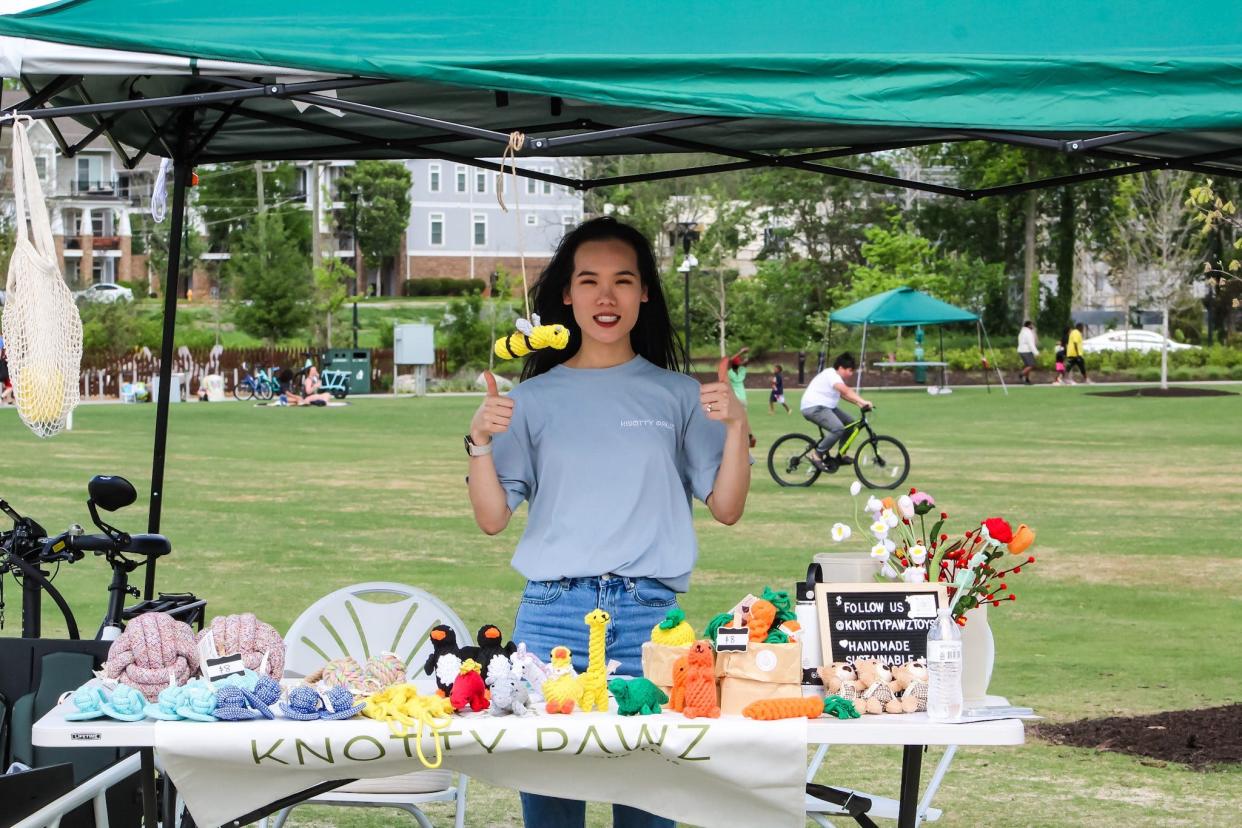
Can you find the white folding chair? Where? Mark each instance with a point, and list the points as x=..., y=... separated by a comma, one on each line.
x=882, y=807
x=365, y=620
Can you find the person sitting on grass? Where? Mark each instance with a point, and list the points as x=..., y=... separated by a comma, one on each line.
x=311, y=395
x=820, y=404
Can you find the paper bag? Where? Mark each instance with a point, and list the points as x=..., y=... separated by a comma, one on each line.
x=764, y=671
x=658, y=661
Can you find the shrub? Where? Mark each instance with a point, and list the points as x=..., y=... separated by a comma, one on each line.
x=1182, y=373
x=1214, y=372
x=1147, y=374
x=441, y=286
x=1235, y=372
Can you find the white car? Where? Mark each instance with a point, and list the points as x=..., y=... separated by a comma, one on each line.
x=1135, y=339
x=105, y=292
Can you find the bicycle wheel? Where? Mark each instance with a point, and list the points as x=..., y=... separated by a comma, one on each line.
x=882, y=463
x=789, y=461
x=244, y=390
x=263, y=391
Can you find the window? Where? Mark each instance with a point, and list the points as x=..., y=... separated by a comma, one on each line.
x=480, y=181
x=73, y=270
x=480, y=230
x=531, y=184
x=433, y=178
x=461, y=179
x=531, y=220
x=436, y=235
x=90, y=173
x=97, y=271
x=567, y=221
x=41, y=167
x=547, y=185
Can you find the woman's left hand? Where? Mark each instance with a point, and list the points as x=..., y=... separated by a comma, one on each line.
x=719, y=403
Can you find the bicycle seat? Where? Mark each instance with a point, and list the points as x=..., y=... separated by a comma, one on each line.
x=152, y=546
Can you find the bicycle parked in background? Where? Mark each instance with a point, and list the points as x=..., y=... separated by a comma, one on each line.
x=26, y=551
x=880, y=461
x=261, y=385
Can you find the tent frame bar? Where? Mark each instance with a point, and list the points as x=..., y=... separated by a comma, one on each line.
x=308, y=92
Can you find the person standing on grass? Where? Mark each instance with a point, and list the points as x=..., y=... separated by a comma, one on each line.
x=1027, y=350
x=1074, y=354
x=778, y=391
x=607, y=443
x=820, y=405
x=737, y=381
x=1060, y=359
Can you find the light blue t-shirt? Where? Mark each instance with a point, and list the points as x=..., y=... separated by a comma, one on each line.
x=608, y=459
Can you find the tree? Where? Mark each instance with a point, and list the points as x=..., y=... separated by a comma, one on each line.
x=465, y=334
x=724, y=221
x=270, y=277
x=155, y=240
x=1156, y=245
x=1214, y=204
x=383, y=204
x=328, y=294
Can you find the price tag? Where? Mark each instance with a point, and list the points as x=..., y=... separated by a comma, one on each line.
x=219, y=668
x=732, y=639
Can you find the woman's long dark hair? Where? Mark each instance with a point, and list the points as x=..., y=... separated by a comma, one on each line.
x=653, y=336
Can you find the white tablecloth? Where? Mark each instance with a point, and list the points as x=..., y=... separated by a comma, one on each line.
x=727, y=771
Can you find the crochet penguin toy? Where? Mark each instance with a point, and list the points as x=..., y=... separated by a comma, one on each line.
x=446, y=658
x=490, y=647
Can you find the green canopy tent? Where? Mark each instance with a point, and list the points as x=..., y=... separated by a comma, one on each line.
x=792, y=85
x=900, y=307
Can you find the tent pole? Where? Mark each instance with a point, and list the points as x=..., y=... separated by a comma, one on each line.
x=181, y=179
x=944, y=369
x=862, y=360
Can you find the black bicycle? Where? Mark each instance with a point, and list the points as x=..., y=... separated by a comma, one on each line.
x=27, y=553
x=880, y=461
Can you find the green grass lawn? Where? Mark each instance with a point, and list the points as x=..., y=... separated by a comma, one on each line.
x=1129, y=609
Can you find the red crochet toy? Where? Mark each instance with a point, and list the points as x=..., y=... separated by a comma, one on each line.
x=700, y=682
x=469, y=690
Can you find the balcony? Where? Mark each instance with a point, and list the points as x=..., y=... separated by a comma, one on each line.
x=99, y=189
x=73, y=242
x=107, y=243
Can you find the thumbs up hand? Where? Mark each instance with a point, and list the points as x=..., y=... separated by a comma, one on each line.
x=718, y=400
x=493, y=416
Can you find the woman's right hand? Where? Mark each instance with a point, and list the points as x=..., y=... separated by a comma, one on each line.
x=492, y=417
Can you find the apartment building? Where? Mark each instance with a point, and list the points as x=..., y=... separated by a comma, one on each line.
x=91, y=197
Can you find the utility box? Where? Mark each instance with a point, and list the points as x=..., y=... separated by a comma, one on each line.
x=357, y=361
x=413, y=345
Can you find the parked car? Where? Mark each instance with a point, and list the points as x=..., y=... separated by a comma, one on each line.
x=1135, y=339
x=105, y=292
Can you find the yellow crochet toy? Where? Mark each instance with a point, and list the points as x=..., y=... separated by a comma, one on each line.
x=531, y=336
x=594, y=681
x=563, y=689
x=402, y=706
x=673, y=631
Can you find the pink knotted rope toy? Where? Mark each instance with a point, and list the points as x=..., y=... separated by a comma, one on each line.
x=153, y=646
x=251, y=638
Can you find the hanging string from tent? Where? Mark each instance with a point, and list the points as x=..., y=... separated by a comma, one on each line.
x=530, y=334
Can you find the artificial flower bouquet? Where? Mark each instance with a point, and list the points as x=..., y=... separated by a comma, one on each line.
x=973, y=566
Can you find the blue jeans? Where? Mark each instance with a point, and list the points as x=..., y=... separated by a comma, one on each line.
x=550, y=614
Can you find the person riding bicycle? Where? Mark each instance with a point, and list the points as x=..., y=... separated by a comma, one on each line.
x=819, y=405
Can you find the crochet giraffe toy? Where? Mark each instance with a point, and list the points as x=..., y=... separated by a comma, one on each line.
x=595, y=679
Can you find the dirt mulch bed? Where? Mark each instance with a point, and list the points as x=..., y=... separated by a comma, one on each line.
x=1199, y=738
x=1178, y=391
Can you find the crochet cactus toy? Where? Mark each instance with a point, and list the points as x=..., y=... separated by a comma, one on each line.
x=700, y=680
x=468, y=690
x=673, y=631
x=637, y=697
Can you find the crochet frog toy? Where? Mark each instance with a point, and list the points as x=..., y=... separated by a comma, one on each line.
x=700, y=682
x=468, y=690
x=636, y=697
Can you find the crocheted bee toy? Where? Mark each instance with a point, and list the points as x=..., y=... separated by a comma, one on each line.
x=531, y=336
x=469, y=690
x=490, y=649
x=445, y=659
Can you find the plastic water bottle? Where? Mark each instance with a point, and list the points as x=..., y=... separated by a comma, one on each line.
x=944, y=669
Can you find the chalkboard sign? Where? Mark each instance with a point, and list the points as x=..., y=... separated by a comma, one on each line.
x=887, y=622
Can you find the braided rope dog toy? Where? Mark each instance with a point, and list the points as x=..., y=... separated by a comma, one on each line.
x=403, y=707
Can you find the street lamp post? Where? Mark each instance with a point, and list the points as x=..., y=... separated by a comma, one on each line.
x=358, y=285
x=688, y=235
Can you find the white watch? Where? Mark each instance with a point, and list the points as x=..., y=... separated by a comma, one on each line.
x=475, y=450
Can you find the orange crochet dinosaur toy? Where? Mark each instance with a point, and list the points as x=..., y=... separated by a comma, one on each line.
x=700, y=682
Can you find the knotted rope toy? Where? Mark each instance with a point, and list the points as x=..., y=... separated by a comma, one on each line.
x=153, y=645
x=383, y=670
x=252, y=639
x=305, y=704
x=403, y=707
x=200, y=702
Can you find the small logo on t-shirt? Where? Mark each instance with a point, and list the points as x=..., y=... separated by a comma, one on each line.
x=647, y=424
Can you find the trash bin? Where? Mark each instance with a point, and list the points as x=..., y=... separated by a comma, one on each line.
x=357, y=361
x=174, y=387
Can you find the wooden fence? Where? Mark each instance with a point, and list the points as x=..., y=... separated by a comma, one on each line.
x=102, y=377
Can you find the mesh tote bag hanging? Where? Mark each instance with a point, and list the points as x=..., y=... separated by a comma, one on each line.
x=42, y=327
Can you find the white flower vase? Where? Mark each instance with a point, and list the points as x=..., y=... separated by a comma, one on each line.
x=978, y=655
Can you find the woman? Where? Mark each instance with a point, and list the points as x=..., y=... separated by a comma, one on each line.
x=608, y=445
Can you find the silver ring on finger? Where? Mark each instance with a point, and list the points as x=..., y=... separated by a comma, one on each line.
x=709, y=408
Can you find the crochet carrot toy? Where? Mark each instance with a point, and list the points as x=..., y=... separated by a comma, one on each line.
x=811, y=707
